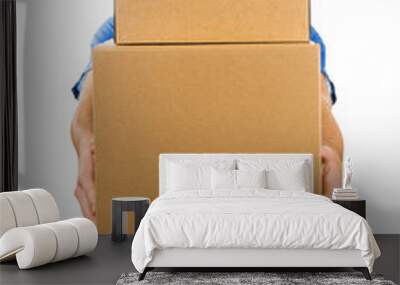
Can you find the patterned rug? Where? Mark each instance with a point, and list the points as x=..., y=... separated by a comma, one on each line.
x=268, y=278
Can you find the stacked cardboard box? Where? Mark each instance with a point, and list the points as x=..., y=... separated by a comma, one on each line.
x=230, y=76
x=211, y=21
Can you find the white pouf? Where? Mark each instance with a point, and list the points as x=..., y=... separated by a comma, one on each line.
x=33, y=246
x=27, y=208
x=67, y=239
x=23, y=208
x=7, y=220
x=87, y=234
x=41, y=244
x=45, y=205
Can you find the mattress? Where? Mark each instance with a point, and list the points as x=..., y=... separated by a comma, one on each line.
x=250, y=219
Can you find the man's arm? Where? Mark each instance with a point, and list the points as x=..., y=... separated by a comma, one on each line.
x=83, y=140
x=332, y=145
x=82, y=128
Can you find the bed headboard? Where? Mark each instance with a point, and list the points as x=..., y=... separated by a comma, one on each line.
x=165, y=158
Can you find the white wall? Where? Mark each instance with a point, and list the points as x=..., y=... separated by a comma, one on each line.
x=53, y=37
x=362, y=37
x=363, y=59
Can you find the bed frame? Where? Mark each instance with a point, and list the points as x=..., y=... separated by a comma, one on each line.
x=251, y=259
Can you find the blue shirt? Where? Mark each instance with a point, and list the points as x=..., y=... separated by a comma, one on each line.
x=106, y=33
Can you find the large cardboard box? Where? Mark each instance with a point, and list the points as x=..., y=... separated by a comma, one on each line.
x=212, y=21
x=198, y=99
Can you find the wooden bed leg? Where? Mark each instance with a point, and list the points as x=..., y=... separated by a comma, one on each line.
x=365, y=272
x=143, y=274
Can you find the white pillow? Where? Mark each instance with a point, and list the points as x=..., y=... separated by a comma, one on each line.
x=188, y=177
x=223, y=179
x=286, y=174
x=237, y=179
x=251, y=178
x=293, y=179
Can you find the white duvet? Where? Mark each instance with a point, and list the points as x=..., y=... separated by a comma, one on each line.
x=251, y=218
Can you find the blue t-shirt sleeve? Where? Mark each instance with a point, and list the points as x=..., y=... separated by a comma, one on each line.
x=102, y=35
x=316, y=38
x=106, y=33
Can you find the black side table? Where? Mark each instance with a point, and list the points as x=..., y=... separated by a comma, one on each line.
x=356, y=206
x=138, y=205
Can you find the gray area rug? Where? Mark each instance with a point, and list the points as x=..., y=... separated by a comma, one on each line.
x=269, y=278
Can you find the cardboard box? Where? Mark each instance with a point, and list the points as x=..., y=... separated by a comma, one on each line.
x=199, y=99
x=211, y=21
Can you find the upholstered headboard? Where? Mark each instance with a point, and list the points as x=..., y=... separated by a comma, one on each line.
x=207, y=157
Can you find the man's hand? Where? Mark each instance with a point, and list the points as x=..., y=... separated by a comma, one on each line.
x=331, y=170
x=332, y=145
x=85, y=188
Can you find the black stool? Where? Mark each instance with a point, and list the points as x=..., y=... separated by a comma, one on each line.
x=138, y=205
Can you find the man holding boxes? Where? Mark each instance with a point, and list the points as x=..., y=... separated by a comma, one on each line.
x=82, y=128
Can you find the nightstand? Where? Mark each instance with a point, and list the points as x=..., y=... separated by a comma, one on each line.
x=120, y=206
x=356, y=206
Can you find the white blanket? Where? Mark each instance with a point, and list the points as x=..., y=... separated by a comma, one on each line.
x=251, y=218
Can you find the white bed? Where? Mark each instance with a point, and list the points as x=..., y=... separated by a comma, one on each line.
x=251, y=226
